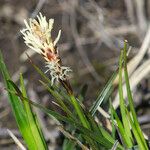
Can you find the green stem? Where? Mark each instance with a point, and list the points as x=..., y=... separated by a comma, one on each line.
x=75, y=103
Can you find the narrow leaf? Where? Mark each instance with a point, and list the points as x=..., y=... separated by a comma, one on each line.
x=17, y=108
x=105, y=94
x=36, y=132
x=130, y=99
x=123, y=106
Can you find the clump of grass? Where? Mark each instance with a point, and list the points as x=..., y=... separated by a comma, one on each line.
x=82, y=130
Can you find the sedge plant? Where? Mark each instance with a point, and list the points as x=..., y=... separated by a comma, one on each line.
x=82, y=131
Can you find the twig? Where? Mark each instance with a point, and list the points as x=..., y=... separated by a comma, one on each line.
x=115, y=145
x=104, y=113
x=16, y=140
x=4, y=133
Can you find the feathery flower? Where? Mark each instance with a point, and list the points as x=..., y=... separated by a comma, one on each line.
x=37, y=36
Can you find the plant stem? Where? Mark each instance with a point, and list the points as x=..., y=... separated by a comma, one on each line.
x=75, y=104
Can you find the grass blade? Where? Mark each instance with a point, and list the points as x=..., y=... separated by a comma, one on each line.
x=105, y=94
x=18, y=109
x=84, y=131
x=68, y=145
x=125, y=120
x=36, y=132
x=130, y=99
x=136, y=134
x=80, y=112
x=57, y=97
x=119, y=125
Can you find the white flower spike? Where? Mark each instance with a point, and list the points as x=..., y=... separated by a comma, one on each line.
x=37, y=36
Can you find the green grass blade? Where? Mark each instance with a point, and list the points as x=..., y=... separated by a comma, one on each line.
x=100, y=130
x=106, y=135
x=136, y=147
x=68, y=145
x=120, y=126
x=97, y=138
x=84, y=131
x=125, y=120
x=94, y=128
x=130, y=98
x=51, y=113
x=37, y=135
x=104, y=94
x=79, y=112
x=58, y=98
x=92, y=143
x=17, y=108
x=136, y=134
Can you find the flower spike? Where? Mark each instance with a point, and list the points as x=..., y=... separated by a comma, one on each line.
x=37, y=36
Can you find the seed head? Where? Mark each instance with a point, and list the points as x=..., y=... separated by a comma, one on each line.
x=37, y=36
